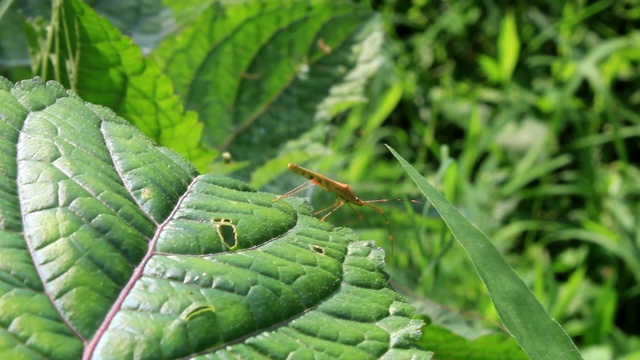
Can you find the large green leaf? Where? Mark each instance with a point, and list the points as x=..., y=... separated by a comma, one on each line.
x=112, y=247
x=263, y=73
x=259, y=75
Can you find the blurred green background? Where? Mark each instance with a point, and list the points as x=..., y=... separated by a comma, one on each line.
x=525, y=116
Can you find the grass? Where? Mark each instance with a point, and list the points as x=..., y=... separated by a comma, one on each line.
x=540, y=159
x=523, y=116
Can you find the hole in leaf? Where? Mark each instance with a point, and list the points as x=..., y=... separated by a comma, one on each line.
x=227, y=231
x=250, y=76
x=319, y=249
x=200, y=311
x=326, y=49
x=147, y=193
x=227, y=158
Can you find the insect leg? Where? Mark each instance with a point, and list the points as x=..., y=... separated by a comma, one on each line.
x=336, y=206
x=385, y=219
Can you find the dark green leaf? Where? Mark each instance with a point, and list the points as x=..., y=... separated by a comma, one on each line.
x=263, y=73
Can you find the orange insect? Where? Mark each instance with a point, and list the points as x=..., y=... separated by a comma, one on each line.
x=344, y=195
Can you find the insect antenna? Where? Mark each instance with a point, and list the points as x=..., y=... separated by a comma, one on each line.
x=297, y=189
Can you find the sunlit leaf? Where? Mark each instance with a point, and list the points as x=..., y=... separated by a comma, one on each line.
x=113, y=247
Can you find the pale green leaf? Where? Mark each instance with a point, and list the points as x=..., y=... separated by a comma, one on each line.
x=508, y=46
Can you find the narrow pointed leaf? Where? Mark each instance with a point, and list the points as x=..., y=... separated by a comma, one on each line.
x=539, y=335
x=508, y=47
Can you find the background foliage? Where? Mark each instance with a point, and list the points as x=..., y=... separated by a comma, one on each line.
x=524, y=115
x=536, y=106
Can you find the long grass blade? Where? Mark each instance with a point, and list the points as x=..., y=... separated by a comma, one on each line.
x=539, y=335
